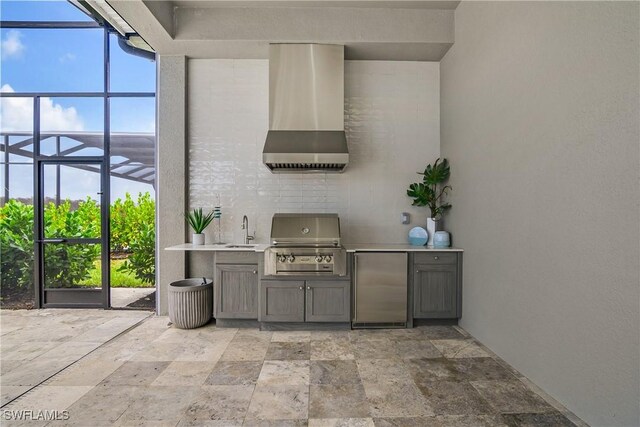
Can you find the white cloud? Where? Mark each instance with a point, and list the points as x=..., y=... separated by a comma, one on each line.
x=16, y=114
x=12, y=46
x=67, y=57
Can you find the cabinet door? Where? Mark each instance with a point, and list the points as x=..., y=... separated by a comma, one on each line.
x=435, y=290
x=281, y=301
x=328, y=301
x=236, y=291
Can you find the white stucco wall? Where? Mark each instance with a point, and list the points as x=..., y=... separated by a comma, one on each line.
x=540, y=121
x=392, y=123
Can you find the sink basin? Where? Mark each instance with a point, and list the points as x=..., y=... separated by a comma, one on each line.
x=240, y=246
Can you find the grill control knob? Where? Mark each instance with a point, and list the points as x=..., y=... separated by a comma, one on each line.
x=291, y=258
x=319, y=258
x=327, y=258
x=282, y=258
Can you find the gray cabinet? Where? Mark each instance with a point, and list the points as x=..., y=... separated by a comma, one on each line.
x=300, y=301
x=236, y=291
x=437, y=286
x=282, y=301
x=328, y=301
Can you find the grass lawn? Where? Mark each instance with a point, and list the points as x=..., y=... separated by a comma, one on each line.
x=119, y=279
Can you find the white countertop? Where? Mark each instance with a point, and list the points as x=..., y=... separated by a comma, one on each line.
x=393, y=247
x=362, y=247
x=223, y=247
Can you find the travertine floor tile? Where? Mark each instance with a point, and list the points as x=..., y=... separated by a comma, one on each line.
x=553, y=419
x=219, y=402
x=52, y=398
x=279, y=402
x=379, y=348
x=411, y=348
x=443, y=421
x=459, y=348
x=341, y=422
x=157, y=375
x=427, y=370
x=338, y=401
x=396, y=400
x=239, y=350
x=102, y=403
x=339, y=349
x=511, y=396
x=334, y=372
x=455, y=398
x=481, y=369
x=234, y=373
x=284, y=372
x=161, y=404
x=288, y=351
x=275, y=423
x=384, y=371
x=10, y=392
x=441, y=332
x=135, y=373
x=86, y=372
x=291, y=336
x=180, y=373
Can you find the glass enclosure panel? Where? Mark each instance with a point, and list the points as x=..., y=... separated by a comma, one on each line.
x=72, y=126
x=41, y=11
x=129, y=73
x=132, y=174
x=72, y=265
x=16, y=237
x=52, y=60
x=20, y=182
x=72, y=201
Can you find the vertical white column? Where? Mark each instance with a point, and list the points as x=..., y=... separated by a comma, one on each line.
x=170, y=173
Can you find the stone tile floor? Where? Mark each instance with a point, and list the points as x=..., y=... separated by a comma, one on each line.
x=162, y=376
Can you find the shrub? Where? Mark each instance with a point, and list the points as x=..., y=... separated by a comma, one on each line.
x=16, y=245
x=141, y=262
x=132, y=231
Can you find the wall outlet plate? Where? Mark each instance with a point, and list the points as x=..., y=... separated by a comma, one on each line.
x=406, y=218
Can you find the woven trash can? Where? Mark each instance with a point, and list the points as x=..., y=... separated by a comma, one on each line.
x=190, y=303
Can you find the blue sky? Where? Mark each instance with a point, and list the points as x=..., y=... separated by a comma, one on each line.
x=69, y=60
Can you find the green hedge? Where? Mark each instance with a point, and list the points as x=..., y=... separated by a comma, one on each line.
x=132, y=232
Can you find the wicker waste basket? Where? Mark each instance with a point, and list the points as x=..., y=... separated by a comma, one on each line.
x=190, y=302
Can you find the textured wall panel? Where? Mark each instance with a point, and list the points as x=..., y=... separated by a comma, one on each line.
x=392, y=124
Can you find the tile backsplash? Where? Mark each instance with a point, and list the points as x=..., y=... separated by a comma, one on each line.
x=392, y=122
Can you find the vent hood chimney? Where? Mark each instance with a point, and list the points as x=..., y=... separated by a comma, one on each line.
x=306, y=109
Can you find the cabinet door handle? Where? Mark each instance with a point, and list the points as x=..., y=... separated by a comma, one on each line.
x=417, y=271
x=308, y=288
x=301, y=287
x=435, y=257
x=255, y=271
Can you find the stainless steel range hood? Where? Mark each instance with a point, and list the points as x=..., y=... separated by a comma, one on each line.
x=306, y=109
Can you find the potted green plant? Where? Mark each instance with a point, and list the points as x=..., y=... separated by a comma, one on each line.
x=431, y=193
x=198, y=222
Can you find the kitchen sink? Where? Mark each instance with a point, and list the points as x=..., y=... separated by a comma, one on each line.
x=240, y=246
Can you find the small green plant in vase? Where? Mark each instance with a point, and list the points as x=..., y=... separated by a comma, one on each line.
x=198, y=222
x=431, y=193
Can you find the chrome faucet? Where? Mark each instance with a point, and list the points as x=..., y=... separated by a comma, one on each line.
x=245, y=227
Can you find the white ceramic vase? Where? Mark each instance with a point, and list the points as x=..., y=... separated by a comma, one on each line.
x=432, y=227
x=197, y=239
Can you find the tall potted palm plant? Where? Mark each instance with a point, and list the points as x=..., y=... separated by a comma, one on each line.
x=431, y=193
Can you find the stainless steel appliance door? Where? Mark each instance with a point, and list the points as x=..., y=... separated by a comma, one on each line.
x=380, y=287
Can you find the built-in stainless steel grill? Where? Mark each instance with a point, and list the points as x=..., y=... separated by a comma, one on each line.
x=305, y=244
